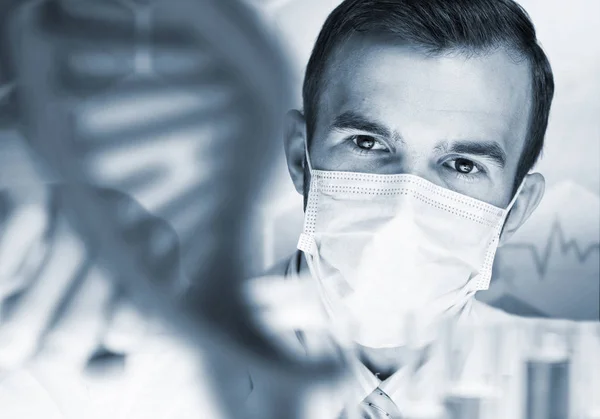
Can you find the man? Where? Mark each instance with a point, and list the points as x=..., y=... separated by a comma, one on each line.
x=446, y=96
x=421, y=118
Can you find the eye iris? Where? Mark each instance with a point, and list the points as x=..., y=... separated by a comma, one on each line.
x=464, y=165
x=365, y=142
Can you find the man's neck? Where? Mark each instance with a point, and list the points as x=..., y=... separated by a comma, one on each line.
x=383, y=362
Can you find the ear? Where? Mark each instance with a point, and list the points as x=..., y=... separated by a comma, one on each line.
x=295, y=139
x=527, y=201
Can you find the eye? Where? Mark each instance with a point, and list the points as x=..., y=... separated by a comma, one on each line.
x=464, y=166
x=365, y=142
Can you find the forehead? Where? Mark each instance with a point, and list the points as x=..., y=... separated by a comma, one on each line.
x=451, y=94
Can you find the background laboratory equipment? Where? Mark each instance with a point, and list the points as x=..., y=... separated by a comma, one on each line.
x=585, y=380
x=521, y=368
x=548, y=370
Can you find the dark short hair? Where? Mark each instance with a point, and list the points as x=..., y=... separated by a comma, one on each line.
x=438, y=26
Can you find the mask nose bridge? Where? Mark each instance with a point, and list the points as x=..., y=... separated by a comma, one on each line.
x=405, y=205
x=405, y=219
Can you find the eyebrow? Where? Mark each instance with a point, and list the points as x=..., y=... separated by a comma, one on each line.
x=352, y=120
x=488, y=149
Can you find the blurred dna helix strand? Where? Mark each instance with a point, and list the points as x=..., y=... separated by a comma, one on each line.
x=178, y=104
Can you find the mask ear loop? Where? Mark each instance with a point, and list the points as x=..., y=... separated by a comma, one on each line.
x=513, y=200
x=307, y=157
x=481, y=285
x=509, y=208
x=341, y=336
x=345, y=346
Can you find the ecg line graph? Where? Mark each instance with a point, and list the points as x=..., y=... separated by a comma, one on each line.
x=558, y=238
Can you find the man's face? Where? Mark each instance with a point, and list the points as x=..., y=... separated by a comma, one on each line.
x=460, y=122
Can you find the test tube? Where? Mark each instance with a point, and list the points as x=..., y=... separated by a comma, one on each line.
x=510, y=367
x=473, y=386
x=547, y=371
x=586, y=371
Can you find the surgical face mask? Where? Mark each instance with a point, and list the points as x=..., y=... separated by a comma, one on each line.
x=388, y=248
